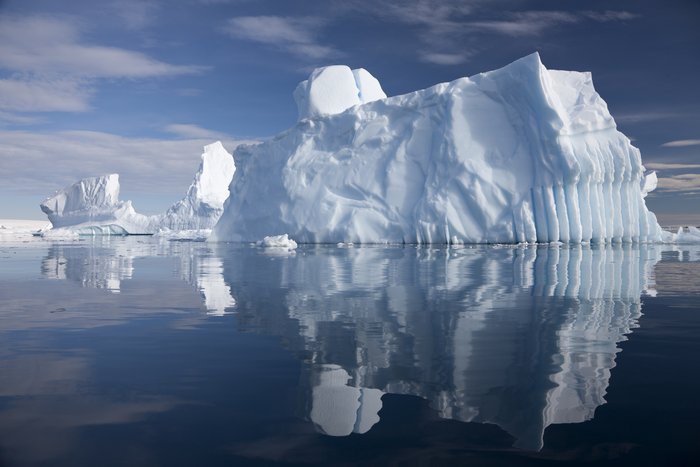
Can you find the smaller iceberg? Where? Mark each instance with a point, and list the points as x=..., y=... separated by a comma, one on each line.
x=92, y=206
x=689, y=234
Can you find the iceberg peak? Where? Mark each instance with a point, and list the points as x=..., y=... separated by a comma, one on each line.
x=333, y=89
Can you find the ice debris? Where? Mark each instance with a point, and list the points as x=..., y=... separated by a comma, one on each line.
x=278, y=241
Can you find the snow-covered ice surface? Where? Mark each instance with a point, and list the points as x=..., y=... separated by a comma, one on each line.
x=519, y=154
x=92, y=206
x=333, y=89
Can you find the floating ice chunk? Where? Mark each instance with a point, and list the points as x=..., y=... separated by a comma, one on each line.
x=193, y=234
x=688, y=234
x=278, y=241
x=60, y=234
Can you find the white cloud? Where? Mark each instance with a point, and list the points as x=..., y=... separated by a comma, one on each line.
x=188, y=130
x=294, y=35
x=533, y=23
x=51, y=45
x=188, y=92
x=681, y=143
x=136, y=14
x=638, y=117
x=53, y=69
x=9, y=117
x=670, y=166
x=610, y=15
x=444, y=58
x=682, y=182
x=36, y=95
x=445, y=25
x=38, y=163
x=526, y=22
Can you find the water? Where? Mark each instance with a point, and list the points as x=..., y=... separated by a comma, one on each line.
x=138, y=351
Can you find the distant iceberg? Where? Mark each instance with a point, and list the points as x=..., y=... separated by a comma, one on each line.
x=519, y=154
x=92, y=206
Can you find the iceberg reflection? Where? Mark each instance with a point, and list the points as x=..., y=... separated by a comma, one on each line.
x=105, y=262
x=519, y=337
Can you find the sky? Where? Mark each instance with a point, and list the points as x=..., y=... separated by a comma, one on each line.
x=138, y=87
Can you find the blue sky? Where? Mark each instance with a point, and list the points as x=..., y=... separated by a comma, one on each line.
x=138, y=87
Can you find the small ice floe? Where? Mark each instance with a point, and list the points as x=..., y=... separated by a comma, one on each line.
x=197, y=235
x=282, y=242
x=60, y=234
x=689, y=234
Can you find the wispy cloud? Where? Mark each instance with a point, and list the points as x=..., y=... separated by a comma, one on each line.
x=136, y=14
x=609, y=15
x=439, y=24
x=191, y=131
x=298, y=36
x=526, y=23
x=51, y=45
x=670, y=166
x=639, y=117
x=446, y=27
x=444, y=58
x=8, y=117
x=533, y=23
x=44, y=95
x=38, y=163
x=682, y=182
x=681, y=143
x=53, y=69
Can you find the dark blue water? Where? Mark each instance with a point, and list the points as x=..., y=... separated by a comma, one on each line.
x=138, y=351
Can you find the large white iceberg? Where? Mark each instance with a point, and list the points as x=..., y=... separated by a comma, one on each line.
x=92, y=205
x=519, y=154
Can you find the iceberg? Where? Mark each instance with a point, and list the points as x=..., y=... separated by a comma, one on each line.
x=519, y=154
x=92, y=206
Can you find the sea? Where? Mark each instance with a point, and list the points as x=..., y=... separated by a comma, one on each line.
x=143, y=351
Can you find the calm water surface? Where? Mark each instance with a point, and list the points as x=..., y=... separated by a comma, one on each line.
x=139, y=351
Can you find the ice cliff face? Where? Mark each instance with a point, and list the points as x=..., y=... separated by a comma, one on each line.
x=519, y=154
x=204, y=202
x=92, y=205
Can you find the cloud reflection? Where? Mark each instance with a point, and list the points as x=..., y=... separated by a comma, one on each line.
x=104, y=263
